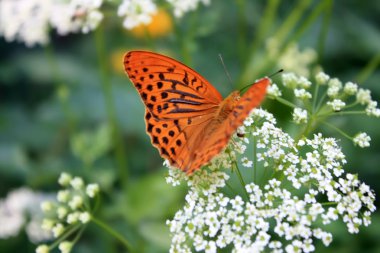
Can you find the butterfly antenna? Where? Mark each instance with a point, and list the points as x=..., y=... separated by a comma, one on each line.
x=271, y=75
x=225, y=69
x=275, y=73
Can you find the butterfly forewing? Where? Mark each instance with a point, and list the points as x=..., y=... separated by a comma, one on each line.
x=169, y=89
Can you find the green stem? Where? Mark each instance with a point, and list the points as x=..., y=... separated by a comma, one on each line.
x=66, y=234
x=342, y=113
x=310, y=19
x=242, y=29
x=324, y=29
x=112, y=232
x=290, y=22
x=315, y=97
x=110, y=108
x=264, y=27
x=255, y=159
x=253, y=68
x=283, y=101
x=240, y=176
x=338, y=130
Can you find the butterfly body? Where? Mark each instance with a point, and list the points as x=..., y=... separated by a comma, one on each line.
x=186, y=118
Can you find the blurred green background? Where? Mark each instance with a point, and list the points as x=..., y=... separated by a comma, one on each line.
x=59, y=104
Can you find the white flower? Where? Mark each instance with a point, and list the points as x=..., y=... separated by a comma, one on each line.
x=76, y=202
x=334, y=86
x=42, y=249
x=73, y=217
x=212, y=220
x=273, y=90
x=64, y=179
x=25, y=20
x=336, y=104
x=58, y=230
x=77, y=183
x=85, y=217
x=65, y=246
x=62, y=212
x=183, y=6
x=372, y=110
x=362, y=140
x=136, y=12
x=350, y=88
x=289, y=80
x=302, y=94
x=297, y=61
x=21, y=209
x=322, y=78
x=92, y=190
x=75, y=16
x=363, y=96
x=63, y=196
x=46, y=206
x=246, y=162
x=300, y=115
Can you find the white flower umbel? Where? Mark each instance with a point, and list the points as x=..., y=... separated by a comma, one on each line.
x=362, y=140
x=183, y=6
x=314, y=102
x=299, y=115
x=336, y=104
x=21, y=209
x=76, y=15
x=136, y=12
x=25, y=20
x=283, y=213
x=70, y=212
x=297, y=61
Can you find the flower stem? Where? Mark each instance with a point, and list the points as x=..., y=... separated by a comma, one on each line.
x=241, y=179
x=242, y=30
x=110, y=108
x=324, y=30
x=265, y=25
x=338, y=130
x=66, y=234
x=284, y=101
x=254, y=159
x=112, y=232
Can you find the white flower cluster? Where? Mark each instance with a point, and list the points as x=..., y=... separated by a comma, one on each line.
x=21, y=209
x=183, y=6
x=137, y=12
x=71, y=208
x=288, y=213
x=29, y=20
x=336, y=98
x=76, y=15
x=295, y=60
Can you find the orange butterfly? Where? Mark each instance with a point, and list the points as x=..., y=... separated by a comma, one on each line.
x=186, y=117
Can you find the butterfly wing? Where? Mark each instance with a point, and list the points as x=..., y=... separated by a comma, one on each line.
x=218, y=138
x=169, y=89
x=179, y=102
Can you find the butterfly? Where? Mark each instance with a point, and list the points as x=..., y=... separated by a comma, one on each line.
x=187, y=119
